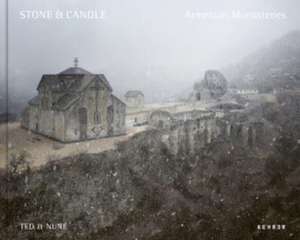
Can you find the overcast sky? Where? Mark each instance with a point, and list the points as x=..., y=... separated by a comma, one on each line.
x=157, y=46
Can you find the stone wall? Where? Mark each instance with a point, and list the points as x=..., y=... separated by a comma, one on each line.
x=191, y=135
x=188, y=135
x=161, y=119
x=119, y=124
x=46, y=122
x=93, y=128
x=110, y=122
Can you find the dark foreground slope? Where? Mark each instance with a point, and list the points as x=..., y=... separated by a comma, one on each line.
x=141, y=191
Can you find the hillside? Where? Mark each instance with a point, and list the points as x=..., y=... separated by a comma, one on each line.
x=142, y=191
x=274, y=66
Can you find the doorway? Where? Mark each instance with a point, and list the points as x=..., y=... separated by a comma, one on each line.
x=82, y=123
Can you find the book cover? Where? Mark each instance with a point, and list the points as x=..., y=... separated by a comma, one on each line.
x=150, y=120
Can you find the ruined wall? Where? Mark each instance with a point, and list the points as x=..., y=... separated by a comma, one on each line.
x=189, y=136
x=137, y=117
x=161, y=120
x=194, y=114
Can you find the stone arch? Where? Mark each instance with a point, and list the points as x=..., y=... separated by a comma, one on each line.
x=160, y=119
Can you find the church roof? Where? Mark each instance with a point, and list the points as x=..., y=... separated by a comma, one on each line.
x=65, y=101
x=74, y=70
x=71, y=82
x=68, y=84
x=134, y=93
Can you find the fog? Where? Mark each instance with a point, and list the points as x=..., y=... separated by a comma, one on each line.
x=153, y=45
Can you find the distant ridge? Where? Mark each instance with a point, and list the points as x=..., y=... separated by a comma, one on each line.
x=274, y=66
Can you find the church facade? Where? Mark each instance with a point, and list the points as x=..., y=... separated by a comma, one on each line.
x=75, y=105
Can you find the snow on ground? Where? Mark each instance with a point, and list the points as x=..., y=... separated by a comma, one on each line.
x=42, y=149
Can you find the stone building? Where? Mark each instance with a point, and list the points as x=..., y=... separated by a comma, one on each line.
x=161, y=119
x=75, y=105
x=188, y=132
x=212, y=87
x=134, y=98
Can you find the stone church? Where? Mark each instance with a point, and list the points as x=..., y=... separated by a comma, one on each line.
x=75, y=105
x=134, y=98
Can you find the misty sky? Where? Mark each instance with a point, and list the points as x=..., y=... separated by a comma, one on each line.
x=148, y=45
